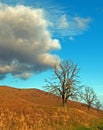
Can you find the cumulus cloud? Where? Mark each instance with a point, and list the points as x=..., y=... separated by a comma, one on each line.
x=25, y=41
x=28, y=35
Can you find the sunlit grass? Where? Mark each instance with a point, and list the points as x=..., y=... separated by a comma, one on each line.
x=50, y=118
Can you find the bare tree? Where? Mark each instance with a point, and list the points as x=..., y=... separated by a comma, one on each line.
x=98, y=105
x=89, y=97
x=65, y=81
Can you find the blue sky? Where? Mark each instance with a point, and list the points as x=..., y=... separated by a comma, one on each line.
x=70, y=29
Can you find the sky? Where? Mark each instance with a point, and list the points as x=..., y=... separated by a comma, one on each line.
x=34, y=34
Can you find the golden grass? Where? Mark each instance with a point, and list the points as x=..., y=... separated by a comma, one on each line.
x=28, y=110
x=41, y=118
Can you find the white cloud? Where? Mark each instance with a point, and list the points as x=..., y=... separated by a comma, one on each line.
x=25, y=41
x=63, y=23
x=24, y=75
x=67, y=25
x=82, y=23
x=26, y=37
x=71, y=38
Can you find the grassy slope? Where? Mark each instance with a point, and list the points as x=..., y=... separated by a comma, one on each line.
x=33, y=109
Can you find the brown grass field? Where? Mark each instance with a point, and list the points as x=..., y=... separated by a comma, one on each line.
x=33, y=109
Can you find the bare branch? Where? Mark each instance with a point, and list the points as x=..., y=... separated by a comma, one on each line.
x=66, y=83
x=89, y=96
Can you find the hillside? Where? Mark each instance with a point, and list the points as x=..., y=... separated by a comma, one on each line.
x=33, y=109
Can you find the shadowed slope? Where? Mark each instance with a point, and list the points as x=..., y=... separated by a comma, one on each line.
x=16, y=97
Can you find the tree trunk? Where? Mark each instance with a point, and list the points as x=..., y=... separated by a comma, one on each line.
x=63, y=100
x=88, y=107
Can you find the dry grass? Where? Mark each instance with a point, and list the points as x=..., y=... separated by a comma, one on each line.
x=34, y=109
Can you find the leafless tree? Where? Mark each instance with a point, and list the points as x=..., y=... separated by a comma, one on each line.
x=98, y=105
x=89, y=96
x=65, y=81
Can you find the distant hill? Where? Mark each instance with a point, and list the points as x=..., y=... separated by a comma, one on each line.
x=33, y=109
